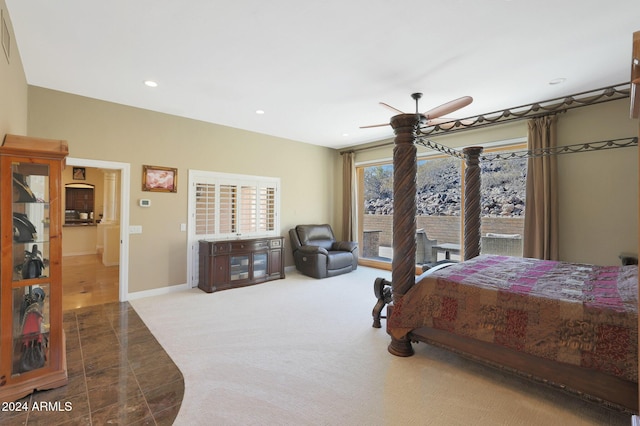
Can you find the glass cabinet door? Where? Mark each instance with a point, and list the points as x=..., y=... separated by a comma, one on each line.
x=239, y=267
x=30, y=287
x=30, y=328
x=259, y=265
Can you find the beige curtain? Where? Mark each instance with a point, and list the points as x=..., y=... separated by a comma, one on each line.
x=348, y=196
x=541, y=207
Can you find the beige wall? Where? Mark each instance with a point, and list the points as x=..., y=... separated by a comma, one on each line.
x=79, y=240
x=13, y=86
x=110, y=132
x=598, y=190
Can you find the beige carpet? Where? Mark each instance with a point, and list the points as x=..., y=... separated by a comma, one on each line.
x=302, y=351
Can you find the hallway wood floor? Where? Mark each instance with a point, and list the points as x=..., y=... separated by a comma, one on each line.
x=87, y=282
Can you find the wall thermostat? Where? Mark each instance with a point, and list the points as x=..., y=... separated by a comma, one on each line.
x=144, y=202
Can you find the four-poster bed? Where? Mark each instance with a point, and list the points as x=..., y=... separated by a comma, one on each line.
x=429, y=312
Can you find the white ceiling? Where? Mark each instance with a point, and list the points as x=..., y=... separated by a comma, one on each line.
x=318, y=69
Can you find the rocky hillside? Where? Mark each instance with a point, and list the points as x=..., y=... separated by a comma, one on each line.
x=439, y=188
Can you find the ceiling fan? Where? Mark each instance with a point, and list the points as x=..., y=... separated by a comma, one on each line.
x=435, y=115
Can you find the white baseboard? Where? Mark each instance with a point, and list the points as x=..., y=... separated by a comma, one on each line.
x=157, y=291
x=178, y=287
x=80, y=253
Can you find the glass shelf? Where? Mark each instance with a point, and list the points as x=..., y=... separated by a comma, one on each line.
x=259, y=265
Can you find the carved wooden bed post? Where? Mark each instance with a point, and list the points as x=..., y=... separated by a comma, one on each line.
x=404, y=214
x=472, y=204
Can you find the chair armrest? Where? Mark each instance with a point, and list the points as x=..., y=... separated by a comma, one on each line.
x=313, y=250
x=345, y=246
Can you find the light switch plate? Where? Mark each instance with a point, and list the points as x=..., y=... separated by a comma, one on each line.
x=135, y=229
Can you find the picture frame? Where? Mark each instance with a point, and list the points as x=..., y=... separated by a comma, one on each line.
x=159, y=179
x=79, y=173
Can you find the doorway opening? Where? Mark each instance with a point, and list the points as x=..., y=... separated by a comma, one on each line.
x=96, y=245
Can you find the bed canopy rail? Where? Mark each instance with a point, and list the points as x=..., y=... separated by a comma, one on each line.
x=605, y=94
x=512, y=155
x=567, y=149
x=523, y=112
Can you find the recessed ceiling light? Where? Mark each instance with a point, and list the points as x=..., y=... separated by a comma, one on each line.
x=345, y=135
x=150, y=83
x=259, y=112
x=557, y=81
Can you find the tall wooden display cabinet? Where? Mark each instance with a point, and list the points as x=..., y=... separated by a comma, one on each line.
x=32, y=348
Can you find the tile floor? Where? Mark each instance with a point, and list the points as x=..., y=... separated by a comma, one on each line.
x=118, y=374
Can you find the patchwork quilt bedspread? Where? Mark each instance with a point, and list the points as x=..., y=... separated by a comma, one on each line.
x=580, y=314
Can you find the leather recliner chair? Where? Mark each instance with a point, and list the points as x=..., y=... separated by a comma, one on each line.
x=317, y=253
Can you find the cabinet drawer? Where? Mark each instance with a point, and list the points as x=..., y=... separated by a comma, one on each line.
x=219, y=248
x=249, y=245
x=275, y=243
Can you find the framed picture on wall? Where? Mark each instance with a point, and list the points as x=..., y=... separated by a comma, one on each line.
x=79, y=173
x=159, y=179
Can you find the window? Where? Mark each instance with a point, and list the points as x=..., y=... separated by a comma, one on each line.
x=503, y=195
x=439, y=205
x=230, y=206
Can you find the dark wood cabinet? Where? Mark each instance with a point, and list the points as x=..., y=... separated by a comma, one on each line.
x=79, y=203
x=238, y=263
x=79, y=199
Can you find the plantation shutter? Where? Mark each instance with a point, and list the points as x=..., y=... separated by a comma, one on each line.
x=227, y=210
x=242, y=207
x=205, y=211
x=248, y=209
x=266, y=209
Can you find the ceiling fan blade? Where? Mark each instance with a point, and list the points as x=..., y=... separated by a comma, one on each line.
x=449, y=107
x=374, y=125
x=391, y=108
